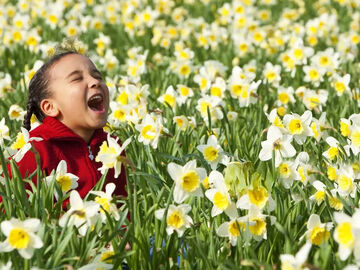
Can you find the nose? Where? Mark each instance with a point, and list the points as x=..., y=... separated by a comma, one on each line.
x=93, y=82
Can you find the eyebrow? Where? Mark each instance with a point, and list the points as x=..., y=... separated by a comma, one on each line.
x=95, y=70
x=77, y=72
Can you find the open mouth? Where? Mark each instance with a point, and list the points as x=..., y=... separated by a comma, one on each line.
x=96, y=103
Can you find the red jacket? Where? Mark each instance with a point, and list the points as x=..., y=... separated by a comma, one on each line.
x=60, y=143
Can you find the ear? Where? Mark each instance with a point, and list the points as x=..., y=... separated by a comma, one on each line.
x=49, y=108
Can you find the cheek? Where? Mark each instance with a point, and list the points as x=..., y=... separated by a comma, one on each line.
x=106, y=89
x=107, y=94
x=72, y=101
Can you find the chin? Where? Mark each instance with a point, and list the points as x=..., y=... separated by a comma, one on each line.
x=102, y=123
x=99, y=123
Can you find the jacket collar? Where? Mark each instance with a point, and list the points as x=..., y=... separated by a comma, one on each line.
x=53, y=129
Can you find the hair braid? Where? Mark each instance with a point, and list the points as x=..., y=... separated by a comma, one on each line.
x=33, y=107
x=29, y=112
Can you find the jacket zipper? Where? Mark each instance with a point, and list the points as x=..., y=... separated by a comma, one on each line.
x=91, y=156
x=92, y=166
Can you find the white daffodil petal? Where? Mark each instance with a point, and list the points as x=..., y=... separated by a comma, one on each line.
x=313, y=221
x=223, y=230
x=109, y=189
x=231, y=211
x=179, y=194
x=61, y=168
x=32, y=224
x=174, y=170
x=26, y=253
x=75, y=200
x=5, y=246
x=6, y=227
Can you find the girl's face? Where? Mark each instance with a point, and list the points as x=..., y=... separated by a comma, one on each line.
x=79, y=94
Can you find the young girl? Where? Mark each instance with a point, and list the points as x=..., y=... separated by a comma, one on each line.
x=68, y=95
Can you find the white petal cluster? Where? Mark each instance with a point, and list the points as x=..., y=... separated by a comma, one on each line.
x=21, y=235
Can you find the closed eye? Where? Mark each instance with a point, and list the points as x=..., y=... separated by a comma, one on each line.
x=77, y=79
x=97, y=76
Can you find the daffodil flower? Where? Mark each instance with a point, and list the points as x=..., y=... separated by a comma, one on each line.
x=275, y=120
x=104, y=201
x=285, y=96
x=106, y=255
x=272, y=73
x=257, y=227
x=333, y=151
x=341, y=84
x=314, y=74
x=23, y=144
x=176, y=219
x=289, y=261
x=34, y=122
x=149, y=129
x=169, y=97
x=279, y=143
x=66, y=181
x=320, y=194
x=212, y=151
x=317, y=232
x=220, y=196
x=102, y=261
x=334, y=201
x=110, y=155
x=314, y=100
x=21, y=235
x=299, y=126
x=238, y=81
x=119, y=113
x=258, y=196
x=328, y=59
x=300, y=53
x=4, y=132
x=345, y=180
x=181, y=121
x=347, y=234
x=287, y=173
x=211, y=103
x=217, y=88
x=332, y=172
x=213, y=68
x=248, y=94
x=16, y=112
x=232, y=116
x=345, y=127
x=81, y=214
x=304, y=168
x=318, y=126
x=233, y=229
x=203, y=81
x=187, y=180
x=185, y=93
x=355, y=138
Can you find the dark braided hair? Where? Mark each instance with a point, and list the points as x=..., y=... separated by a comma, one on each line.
x=38, y=89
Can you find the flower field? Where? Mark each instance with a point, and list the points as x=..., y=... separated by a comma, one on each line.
x=240, y=122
